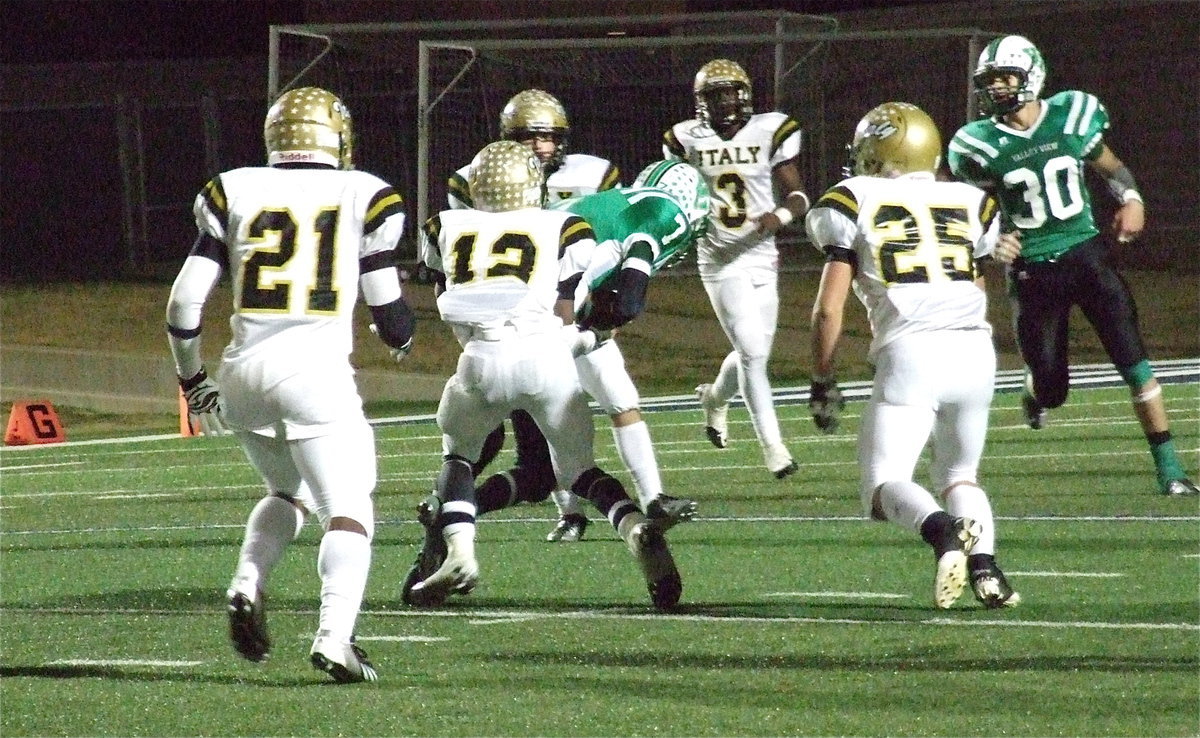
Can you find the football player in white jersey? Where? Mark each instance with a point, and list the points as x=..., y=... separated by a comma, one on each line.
x=500, y=269
x=537, y=119
x=908, y=245
x=298, y=238
x=746, y=157
x=640, y=230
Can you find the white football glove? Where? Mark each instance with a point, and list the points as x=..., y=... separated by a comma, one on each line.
x=585, y=340
x=211, y=423
x=825, y=401
x=397, y=354
x=200, y=393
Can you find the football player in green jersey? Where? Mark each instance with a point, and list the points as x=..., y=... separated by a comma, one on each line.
x=1030, y=153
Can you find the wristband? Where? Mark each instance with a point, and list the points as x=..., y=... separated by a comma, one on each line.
x=785, y=216
x=1131, y=194
x=807, y=202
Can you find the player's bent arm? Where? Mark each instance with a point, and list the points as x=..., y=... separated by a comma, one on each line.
x=786, y=178
x=185, y=308
x=395, y=322
x=829, y=308
x=1130, y=218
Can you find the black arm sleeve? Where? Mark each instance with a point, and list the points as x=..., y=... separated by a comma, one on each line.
x=631, y=295
x=395, y=322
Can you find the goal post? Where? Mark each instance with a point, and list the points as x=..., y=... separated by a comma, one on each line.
x=623, y=82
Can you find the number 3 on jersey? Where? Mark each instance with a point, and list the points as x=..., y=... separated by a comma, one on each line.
x=270, y=269
x=922, y=245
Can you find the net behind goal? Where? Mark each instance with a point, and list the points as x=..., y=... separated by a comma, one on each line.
x=424, y=104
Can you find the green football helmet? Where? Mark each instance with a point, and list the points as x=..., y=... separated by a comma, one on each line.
x=1010, y=55
x=309, y=125
x=686, y=186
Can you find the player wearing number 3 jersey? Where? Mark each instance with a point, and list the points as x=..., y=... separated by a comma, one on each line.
x=1030, y=152
x=746, y=158
x=909, y=245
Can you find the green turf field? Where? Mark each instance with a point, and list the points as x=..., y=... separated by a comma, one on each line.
x=797, y=617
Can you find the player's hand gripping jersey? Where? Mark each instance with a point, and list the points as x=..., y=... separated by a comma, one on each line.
x=739, y=174
x=913, y=249
x=289, y=239
x=1037, y=173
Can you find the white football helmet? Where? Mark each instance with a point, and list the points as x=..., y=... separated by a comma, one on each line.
x=309, y=125
x=505, y=175
x=1010, y=55
x=686, y=186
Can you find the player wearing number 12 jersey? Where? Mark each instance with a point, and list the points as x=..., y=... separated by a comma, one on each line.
x=909, y=244
x=746, y=158
x=1030, y=152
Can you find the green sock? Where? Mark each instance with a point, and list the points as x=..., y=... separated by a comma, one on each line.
x=1166, y=460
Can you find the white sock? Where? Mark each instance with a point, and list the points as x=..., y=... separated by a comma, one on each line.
x=567, y=502
x=966, y=500
x=637, y=453
x=343, y=563
x=273, y=524
x=906, y=504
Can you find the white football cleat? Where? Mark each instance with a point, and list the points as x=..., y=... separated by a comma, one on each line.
x=458, y=574
x=344, y=661
x=647, y=543
x=779, y=461
x=951, y=578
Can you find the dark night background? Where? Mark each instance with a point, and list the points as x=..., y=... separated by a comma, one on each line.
x=113, y=113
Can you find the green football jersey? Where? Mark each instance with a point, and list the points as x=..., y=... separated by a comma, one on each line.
x=642, y=221
x=1037, y=174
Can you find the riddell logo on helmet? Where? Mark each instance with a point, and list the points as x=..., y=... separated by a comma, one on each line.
x=294, y=156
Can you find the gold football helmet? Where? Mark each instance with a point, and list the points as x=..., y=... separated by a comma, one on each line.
x=531, y=113
x=895, y=138
x=309, y=125
x=505, y=175
x=714, y=77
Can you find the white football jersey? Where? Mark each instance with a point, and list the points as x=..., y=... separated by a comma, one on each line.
x=580, y=174
x=505, y=268
x=914, y=242
x=294, y=239
x=741, y=188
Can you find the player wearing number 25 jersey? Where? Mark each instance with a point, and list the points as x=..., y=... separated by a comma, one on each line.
x=298, y=239
x=746, y=158
x=1031, y=152
x=909, y=245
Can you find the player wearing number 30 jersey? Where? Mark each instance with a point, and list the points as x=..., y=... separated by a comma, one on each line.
x=1031, y=153
x=908, y=244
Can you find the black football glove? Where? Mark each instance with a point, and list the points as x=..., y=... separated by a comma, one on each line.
x=825, y=401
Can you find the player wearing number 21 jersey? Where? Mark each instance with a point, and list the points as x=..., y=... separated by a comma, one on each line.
x=298, y=238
